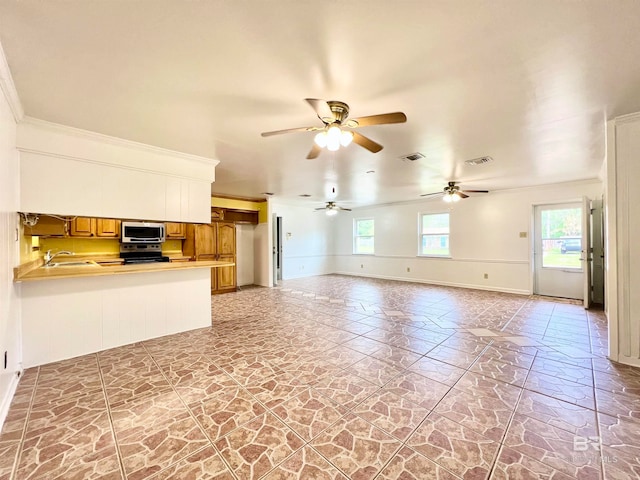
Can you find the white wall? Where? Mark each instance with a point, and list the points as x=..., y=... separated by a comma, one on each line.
x=245, y=254
x=484, y=238
x=9, y=252
x=307, y=238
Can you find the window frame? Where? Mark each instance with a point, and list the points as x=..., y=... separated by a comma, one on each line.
x=356, y=236
x=421, y=235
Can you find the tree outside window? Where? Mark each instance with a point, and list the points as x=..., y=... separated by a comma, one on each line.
x=363, y=236
x=434, y=234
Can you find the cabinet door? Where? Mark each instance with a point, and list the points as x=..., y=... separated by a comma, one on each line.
x=226, y=239
x=175, y=230
x=107, y=228
x=205, y=240
x=217, y=214
x=214, y=280
x=83, y=227
x=226, y=275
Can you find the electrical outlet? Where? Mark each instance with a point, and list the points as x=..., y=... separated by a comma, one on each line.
x=523, y=234
x=486, y=275
x=408, y=269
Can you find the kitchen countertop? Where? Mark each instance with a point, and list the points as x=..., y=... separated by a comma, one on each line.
x=36, y=271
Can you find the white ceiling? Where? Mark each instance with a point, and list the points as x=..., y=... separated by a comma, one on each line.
x=530, y=83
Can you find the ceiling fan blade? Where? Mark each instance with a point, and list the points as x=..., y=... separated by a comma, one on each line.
x=314, y=152
x=475, y=191
x=322, y=108
x=395, y=117
x=321, y=208
x=462, y=195
x=366, y=142
x=291, y=130
x=431, y=194
x=345, y=209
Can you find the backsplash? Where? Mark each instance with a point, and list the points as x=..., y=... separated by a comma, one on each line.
x=107, y=246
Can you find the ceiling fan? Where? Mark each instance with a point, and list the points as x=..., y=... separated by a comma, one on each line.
x=332, y=209
x=337, y=130
x=452, y=193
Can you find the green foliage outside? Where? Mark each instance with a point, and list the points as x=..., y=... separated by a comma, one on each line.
x=554, y=258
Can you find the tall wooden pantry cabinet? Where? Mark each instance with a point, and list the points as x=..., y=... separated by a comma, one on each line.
x=214, y=241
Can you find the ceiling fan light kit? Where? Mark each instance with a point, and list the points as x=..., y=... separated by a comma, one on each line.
x=452, y=193
x=332, y=209
x=334, y=134
x=451, y=197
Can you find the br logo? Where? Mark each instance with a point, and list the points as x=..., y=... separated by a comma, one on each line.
x=583, y=444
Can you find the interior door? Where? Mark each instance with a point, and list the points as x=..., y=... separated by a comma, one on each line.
x=559, y=268
x=277, y=248
x=586, y=255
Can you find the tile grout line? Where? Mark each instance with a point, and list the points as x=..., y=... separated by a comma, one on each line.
x=511, y=417
x=113, y=429
x=18, y=457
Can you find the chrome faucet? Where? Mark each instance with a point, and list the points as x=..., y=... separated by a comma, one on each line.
x=48, y=256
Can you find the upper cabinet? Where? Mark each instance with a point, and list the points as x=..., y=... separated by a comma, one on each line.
x=94, y=228
x=175, y=231
x=92, y=175
x=83, y=227
x=107, y=228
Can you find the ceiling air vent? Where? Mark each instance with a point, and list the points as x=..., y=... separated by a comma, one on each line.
x=478, y=161
x=412, y=157
x=304, y=195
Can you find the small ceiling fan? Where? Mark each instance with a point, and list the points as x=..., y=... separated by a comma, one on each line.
x=452, y=193
x=337, y=130
x=332, y=209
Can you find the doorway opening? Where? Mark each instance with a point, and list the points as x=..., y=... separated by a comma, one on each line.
x=277, y=249
x=560, y=246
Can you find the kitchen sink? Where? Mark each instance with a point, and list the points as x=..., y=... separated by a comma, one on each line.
x=79, y=263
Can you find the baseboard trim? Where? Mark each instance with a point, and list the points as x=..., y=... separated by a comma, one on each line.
x=6, y=401
x=631, y=361
x=444, y=284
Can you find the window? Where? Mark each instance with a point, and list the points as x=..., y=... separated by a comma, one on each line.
x=561, y=236
x=363, y=236
x=434, y=234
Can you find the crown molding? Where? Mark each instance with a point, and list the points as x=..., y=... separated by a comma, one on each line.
x=116, y=141
x=9, y=88
x=236, y=197
x=629, y=118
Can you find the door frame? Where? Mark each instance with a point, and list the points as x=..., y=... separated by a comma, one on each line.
x=532, y=239
x=276, y=249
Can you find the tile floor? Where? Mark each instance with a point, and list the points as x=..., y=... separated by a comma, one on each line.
x=338, y=377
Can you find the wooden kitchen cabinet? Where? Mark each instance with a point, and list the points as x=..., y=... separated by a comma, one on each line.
x=175, y=231
x=83, y=227
x=226, y=245
x=214, y=241
x=94, y=227
x=47, y=226
x=107, y=228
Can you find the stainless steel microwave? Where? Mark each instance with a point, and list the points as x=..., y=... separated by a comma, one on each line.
x=142, y=232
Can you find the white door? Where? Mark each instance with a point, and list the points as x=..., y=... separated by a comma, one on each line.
x=558, y=244
x=586, y=254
